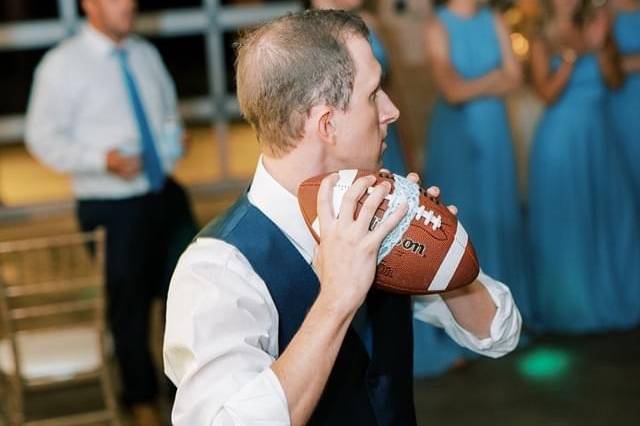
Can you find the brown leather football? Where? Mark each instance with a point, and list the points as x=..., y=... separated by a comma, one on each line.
x=433, y=255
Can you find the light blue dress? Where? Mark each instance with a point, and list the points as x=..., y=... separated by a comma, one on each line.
x=470, y=156
x=434, y=352
x=394, y=156
x=624, y=103
x=583, y=220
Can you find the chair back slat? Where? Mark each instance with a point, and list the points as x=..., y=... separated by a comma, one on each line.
x=52, y=282
x=52, y=296
x=54, y=316
x=53, y=287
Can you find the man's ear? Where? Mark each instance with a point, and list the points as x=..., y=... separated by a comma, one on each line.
x=326, y=126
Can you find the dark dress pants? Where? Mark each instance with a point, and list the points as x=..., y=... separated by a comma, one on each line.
x=145, y=236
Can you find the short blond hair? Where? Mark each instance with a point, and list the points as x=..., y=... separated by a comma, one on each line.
x=289, y=65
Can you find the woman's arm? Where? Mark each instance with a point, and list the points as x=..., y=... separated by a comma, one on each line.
x=511, y=69
x=598, y=38
x=454, y=88
x=630, y=63
x=549, y=84
x=610, y=64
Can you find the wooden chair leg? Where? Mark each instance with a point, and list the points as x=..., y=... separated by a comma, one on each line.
x=15, y=404
x=108, y=393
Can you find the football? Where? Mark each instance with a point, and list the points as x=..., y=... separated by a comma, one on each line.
x=428, y=252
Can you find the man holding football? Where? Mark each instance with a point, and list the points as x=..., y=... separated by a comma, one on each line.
x=263, y=325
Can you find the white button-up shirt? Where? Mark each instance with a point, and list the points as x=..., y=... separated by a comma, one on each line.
x=222, y=325
x=80, y=109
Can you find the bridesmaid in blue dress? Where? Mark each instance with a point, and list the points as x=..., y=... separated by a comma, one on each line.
x=434, y=351
x=470, y=152
x=583, y=221
x=624, y=103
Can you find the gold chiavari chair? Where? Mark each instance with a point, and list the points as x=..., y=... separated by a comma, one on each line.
x=52, y=317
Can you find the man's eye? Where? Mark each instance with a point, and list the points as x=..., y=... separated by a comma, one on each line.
x=374, y=95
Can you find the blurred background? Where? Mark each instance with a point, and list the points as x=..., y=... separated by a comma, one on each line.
x=555, y=378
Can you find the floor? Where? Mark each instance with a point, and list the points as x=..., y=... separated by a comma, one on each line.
x=557, y=381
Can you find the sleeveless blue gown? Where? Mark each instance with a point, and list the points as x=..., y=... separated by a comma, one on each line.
x=624, y=103
x=470, y=156
x=434, y=352
x=584, y=223
x=393, y=157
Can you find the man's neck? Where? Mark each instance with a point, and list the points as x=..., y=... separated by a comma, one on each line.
x=323, y=4
x=117, y=39
x=293, y=168
x=462, y=7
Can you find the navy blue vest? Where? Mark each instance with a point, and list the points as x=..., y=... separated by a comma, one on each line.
x=362, y=389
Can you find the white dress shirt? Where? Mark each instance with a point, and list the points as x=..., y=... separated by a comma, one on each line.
x=80, y=109
x=222, y=325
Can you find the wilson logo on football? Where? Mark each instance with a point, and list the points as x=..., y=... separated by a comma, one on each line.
x=412, y=246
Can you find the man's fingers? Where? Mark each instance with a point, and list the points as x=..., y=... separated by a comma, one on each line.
x=373, y=201
x=325, y=199
x=383, y=229
x=127, y=175
x=133, y=166
x=351, y=197
x=453, y=209
x=413, y=177
x=433, y=191
x=136, y=162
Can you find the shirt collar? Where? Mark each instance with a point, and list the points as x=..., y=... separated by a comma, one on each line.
x=282, y=208
x=100, y=43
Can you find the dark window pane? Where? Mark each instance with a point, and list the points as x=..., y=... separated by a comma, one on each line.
x=183, y=56
x=153, y=5
x=185, y=59
x=16, y=74
x=23, y=10
x=229, y=58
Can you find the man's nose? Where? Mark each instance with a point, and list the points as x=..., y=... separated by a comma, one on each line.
x=388, y=111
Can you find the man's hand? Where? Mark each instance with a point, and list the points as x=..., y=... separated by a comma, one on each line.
x=125, y=166
x=346, y=257
x=597, y=29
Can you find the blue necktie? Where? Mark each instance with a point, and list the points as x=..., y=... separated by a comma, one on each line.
x=150, y=159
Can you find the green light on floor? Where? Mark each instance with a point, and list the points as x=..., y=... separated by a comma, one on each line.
x=544, y=363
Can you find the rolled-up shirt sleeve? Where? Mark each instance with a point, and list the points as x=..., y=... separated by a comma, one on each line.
x=220, y=341
x=505, y=328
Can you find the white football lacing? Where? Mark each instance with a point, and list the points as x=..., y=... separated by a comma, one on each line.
x=429, y=217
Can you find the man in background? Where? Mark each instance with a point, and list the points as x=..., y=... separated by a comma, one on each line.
x=103, y=110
